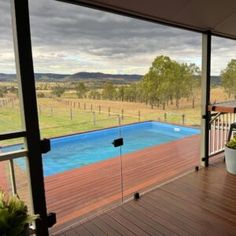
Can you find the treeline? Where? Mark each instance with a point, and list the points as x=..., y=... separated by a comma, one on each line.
x=166, y=82
x=228, y=77
x=4, y=90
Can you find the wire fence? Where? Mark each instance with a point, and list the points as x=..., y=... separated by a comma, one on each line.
x=59, y=117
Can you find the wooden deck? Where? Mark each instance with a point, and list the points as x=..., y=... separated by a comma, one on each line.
x=200, y=203
x=4, y=183
x=77, y=193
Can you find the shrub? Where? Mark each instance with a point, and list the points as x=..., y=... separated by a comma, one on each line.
x=14, y=217
x=232, y=143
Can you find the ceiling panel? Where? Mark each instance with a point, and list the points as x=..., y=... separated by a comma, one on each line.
x=201, y=15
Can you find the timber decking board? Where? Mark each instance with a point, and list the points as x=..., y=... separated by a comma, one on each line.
x=78, y=192
x=199, y=203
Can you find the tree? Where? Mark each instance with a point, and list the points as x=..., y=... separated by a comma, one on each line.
x=40, y=95
x=13, y=90
x=81, y=90
x=109, y=91
x=228, y=77
x=58, y=91
x=157, y=82
x=3, y=91
x=194, y=82
x=168, y=80
x=94, y=94
x=121, y=93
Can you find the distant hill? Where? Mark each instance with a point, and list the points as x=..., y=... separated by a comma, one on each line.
x=98, y=75
x=50, y=76
x=215, y=80
x=91, y=76
x=75, y=77
x=7, y=77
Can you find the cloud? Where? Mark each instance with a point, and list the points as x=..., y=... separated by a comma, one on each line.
x=68, y=38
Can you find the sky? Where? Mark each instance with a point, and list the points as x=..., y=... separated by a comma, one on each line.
x=69, y=39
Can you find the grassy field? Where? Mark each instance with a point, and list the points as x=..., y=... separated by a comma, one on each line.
x=70, y=115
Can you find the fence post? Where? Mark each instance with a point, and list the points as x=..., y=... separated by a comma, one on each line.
x=99, y=108
x=78, y=104
x=139, y=116
x=94, y=118
x=165, y=116
x=51, y=111
x=109, y=111
x=71, y=115
x=119, y=121
x=122, y=114
x=91, y=107
x=183, y=119
x=39, y=110
x=84, y=106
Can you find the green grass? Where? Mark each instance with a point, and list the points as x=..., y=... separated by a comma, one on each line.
x=9, y=119
x=57, y=119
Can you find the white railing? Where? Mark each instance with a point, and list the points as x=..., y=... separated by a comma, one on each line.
x=218, y=132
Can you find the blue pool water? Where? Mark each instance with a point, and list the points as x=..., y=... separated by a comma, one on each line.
x=82, y=149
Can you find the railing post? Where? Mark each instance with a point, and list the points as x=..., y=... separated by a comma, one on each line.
x=13, y=177
x=205, y=84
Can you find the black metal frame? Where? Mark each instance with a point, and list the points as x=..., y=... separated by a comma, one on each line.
x=27, y=93
x=232, y=128
x=207, y=87
x=12, y=135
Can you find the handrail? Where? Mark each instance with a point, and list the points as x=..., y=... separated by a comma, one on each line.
x=12, y=135
x=13, y=155
x=219, y=128
x=215, y=116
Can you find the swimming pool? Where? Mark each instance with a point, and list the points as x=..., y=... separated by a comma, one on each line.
x=83, y=149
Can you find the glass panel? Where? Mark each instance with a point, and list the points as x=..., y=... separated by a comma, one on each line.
x=93, y=68
x=223, y=92
x=82, y=174
x=10, y=118
x=223, y=67
x=165, y=142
